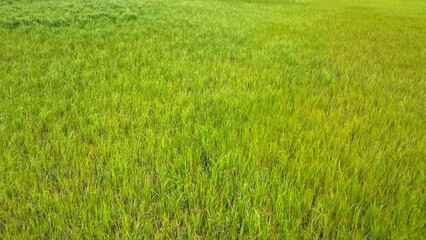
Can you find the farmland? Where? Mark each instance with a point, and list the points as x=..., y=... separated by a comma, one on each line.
x=178, y=119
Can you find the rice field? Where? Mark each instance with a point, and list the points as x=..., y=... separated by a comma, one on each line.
x=212, y=119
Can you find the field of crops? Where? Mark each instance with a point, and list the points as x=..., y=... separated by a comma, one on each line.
x=212, y=119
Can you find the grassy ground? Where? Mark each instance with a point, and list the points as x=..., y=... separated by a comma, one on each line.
x=213, y=119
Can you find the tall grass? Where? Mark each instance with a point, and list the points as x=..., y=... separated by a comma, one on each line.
x=212, y=119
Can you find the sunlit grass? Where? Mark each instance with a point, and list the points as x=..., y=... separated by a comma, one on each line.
x=212, y=119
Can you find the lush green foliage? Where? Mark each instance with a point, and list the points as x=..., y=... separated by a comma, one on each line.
x=212, y=119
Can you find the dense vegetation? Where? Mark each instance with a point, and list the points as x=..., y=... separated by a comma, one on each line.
x=212, y=119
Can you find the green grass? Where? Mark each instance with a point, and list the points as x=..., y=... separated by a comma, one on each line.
x=297, y=119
